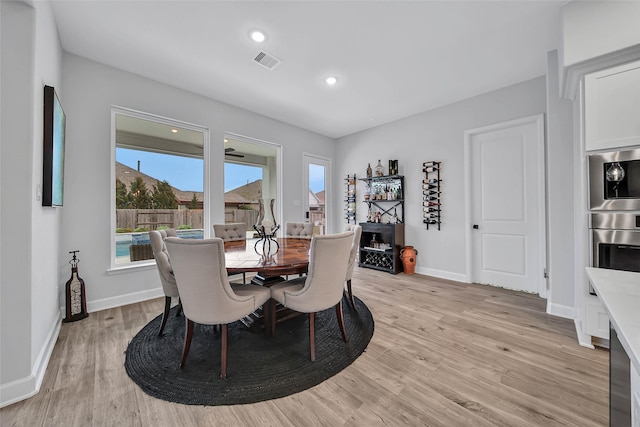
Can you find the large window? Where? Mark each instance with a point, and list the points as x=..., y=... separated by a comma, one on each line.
x=158, y=183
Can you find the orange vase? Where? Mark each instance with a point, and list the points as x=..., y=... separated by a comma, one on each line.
x=408, y=256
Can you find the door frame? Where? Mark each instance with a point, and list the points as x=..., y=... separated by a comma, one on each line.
x=328, y=193
x=538, y=120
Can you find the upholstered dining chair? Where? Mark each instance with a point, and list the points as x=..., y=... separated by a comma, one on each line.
x=168, y=232
x=207, y=297
x=357, y=232
x=301, y=230
x=169, y=286
x=323, y=286
x=232, y=233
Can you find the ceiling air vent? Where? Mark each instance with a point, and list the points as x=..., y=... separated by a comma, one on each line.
x=268, y=61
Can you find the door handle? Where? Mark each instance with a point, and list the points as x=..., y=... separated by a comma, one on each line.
x=475, y=226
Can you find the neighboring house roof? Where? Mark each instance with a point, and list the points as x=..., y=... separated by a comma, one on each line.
x=127, y=175
x=313, y=199
x=246, y=194
x=250, y=192
x=235, y=199
x=320, y=196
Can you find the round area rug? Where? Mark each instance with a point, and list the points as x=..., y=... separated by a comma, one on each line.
x=258, y=368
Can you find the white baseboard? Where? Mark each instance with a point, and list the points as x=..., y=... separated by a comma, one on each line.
x=120, y=300
x=24, y=388
x=583, y=339
x=561, y=310
x=442, y=274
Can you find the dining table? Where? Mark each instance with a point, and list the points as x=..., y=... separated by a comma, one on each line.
x=292, y=257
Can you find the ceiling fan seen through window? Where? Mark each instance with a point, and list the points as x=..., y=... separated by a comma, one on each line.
x=230, y=152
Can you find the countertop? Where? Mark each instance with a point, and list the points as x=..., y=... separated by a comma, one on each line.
x=619, y=292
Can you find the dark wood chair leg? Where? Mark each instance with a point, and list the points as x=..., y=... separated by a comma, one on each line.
x=244, y=278
x=165, y=314
x=272, y=317
x=266, y=311
x=179, y=310
x=223, y=358
x=341, y=321
x=351, y=300
x=187, y=341
x=312, y=336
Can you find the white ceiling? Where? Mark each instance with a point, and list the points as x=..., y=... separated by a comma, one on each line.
x=393, y=59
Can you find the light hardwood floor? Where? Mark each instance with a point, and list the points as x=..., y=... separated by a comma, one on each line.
x=443, y=354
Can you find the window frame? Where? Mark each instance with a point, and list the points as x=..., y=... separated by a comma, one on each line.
x=117, y=110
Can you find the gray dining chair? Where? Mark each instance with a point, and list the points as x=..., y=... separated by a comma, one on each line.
x=167, y=279
x=322, y=288
x=301, y=230
x=357, y=233
x=232, y=233
x=207, y=297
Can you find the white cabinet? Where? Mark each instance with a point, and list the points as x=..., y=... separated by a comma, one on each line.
x=597, y=319
x=612, y=107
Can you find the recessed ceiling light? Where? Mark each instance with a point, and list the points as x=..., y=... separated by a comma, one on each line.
x=174, y=130
x=257, y=36
x=331, y=80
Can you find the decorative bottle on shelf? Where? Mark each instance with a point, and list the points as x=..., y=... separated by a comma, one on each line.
x=373, y=242
x=379, y=169
x=369, y=171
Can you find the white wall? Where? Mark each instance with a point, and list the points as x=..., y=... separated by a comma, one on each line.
x=90, y=91
x=434, y=135
x=30, y=256
x=560, y=190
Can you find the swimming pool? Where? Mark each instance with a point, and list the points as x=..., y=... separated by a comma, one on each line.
x=124, y=240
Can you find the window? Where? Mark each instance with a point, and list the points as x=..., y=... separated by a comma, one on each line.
x=158, y=183
x=250, y=174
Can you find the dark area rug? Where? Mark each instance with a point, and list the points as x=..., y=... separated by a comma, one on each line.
x=258, y=368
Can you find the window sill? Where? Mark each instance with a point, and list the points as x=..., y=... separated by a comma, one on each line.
x=129, y=268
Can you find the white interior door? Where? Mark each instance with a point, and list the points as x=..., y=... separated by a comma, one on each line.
x=317, y=192
x=506, y=191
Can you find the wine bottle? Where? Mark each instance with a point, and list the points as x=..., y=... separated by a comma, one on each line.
x=379, y=169
x=432, y=181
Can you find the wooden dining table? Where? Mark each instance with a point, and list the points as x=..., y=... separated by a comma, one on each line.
x=292, y=258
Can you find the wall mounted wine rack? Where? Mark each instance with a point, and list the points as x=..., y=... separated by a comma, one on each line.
x=350, y=199
x=431, y=194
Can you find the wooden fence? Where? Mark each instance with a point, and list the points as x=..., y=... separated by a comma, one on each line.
x=248, y=216
x=154, y=218
x=174, y=218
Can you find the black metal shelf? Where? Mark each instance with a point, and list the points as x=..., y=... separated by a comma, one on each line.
x=384, y=260
x=386, y=193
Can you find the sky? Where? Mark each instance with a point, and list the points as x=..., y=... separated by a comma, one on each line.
x=186, y=173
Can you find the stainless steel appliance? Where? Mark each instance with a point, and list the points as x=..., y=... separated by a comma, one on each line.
x=616, y=241
x=614, y=181
x=619, y=382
